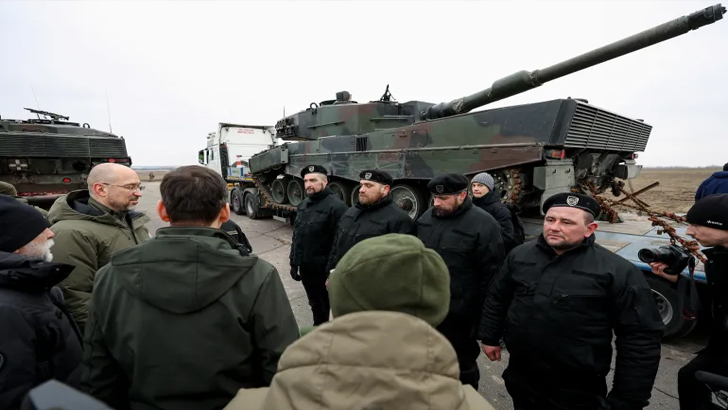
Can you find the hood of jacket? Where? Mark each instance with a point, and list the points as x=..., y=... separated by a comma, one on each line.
x=75, y=207
x=182, y=269
x=720, y=174
x=366, y=360
x=30, y=274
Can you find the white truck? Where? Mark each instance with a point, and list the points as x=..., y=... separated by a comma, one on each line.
x=227, y=153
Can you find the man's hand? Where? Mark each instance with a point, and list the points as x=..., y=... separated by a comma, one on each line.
x=658, y=268
x=294, y=273
x=493, y=353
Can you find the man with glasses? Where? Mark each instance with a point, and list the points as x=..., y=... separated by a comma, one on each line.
x=90, y=225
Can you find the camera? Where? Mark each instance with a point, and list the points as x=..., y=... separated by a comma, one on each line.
x=675, y=257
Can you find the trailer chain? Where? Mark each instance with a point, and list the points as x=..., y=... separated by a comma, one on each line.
x=654, y=216
x=269, y=202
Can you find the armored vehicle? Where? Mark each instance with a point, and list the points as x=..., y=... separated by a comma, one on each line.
x=533, y=150
x=50, y=156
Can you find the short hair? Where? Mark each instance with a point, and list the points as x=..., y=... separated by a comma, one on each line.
x=588, y=217
x=725, y=167
x=193, y=194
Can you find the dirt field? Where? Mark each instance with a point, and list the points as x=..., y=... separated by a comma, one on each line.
x=676, y=192
x=158, y=175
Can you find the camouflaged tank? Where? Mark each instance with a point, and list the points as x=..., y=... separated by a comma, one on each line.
x=47, y=157
x=533, y=150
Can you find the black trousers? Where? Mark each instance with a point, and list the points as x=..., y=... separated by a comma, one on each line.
x=313, y=278
x=693, y=394
x=461, y=335
x=532, y=387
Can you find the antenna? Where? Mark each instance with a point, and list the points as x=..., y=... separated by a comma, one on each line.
x=108, y=111
x=37, y=104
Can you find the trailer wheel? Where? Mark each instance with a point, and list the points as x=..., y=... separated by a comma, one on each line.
x=237, y=203
x=668, y=304
x=251, y=206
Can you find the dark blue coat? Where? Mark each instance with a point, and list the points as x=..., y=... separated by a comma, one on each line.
x=38, y=339
x=715, y=184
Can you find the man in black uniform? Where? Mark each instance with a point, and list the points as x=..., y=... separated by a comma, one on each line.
x=313, y=234
x=708, y=220
x=559, y=298
x=375, y=214
x=469, y=241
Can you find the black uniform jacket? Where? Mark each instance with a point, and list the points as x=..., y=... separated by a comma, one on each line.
x=716, y=271
x=39, y=340
x=491, y=204
x=470, y=243
x=559, y=312
x=362, y=222
x=315, y=227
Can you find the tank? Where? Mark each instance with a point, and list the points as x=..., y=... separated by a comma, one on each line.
x=533, y=150
x=49, y=155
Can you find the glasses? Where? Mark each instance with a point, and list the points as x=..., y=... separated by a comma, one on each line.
x=131, y=187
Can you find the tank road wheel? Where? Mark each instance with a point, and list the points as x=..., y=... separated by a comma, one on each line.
x=342, y=190
x=354, y=197
x=278, y=191
x=296, y=191
x=237, y=203
x=410, y=199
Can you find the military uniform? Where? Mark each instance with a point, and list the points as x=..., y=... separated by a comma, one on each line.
x=367, y=221
x=559, y=312
x=470, y=243
x=313, y=235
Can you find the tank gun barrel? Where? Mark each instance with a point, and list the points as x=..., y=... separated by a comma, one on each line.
x=522, y=81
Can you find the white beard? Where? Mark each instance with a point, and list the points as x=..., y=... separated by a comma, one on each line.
x=42, y=251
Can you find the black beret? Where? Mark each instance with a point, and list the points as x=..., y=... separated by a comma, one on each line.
x=20, y=223
x=376, y=175
x=573, y=200
x=448, y=184
x=313, y=168
x=710, y=211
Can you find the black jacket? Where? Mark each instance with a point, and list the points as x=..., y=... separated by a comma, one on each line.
x=470, y=243
x=491, y=203
x=559, y=312
x=315, y=227
x=362, y=222
x=716, y=272
x=38, y=339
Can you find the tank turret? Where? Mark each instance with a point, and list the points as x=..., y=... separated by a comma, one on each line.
x=532, y=150
x=522, y=81
x=49, y=155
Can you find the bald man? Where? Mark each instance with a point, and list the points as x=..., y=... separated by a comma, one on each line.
x=93, y=224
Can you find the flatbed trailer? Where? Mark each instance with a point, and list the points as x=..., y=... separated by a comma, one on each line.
x=626, y=239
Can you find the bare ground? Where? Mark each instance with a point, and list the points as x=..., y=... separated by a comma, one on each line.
x=676, y=192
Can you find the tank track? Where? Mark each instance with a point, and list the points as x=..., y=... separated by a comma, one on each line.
x=269, y=202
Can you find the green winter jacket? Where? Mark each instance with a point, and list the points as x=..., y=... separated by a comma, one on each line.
x=183, y=321
x=87, y=235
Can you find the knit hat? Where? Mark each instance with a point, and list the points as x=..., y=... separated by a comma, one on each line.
x=19, y=224
x=7, y=189
x=710, y=211
x=485, y=179
x=393, y=272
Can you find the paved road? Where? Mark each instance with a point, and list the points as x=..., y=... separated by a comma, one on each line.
x=271, y=240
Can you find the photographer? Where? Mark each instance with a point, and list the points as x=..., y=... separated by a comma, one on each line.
x=708, y=220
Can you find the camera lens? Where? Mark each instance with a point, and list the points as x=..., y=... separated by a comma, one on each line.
x=647, y=255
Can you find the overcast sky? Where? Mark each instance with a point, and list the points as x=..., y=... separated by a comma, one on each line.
x=174, y=69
